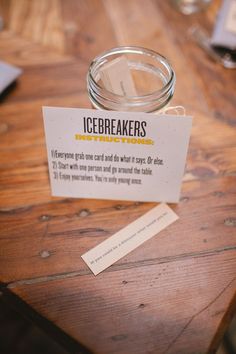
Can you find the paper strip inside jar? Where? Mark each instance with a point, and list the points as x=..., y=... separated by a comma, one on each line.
x=116, y=77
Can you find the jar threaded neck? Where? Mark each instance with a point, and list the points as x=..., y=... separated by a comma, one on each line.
x=138, y=58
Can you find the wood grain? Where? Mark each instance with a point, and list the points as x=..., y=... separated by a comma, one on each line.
x=171, y=294
x=20, y=51
x=38, y=21
x=142, y=310
x=213, y=80
x=67, y=229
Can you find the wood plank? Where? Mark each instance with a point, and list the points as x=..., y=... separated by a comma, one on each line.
x=212, y=77
x=4, y=10
x=54, y=80
x=38, y=21
x=22, y=52
x=50, y=238
x=75, y=27
x=171, y=294
x=14, y=302
x=160, y=308
x=87, y=28
x=45, y=74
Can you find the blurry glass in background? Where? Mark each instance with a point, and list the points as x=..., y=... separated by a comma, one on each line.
x=189, y=7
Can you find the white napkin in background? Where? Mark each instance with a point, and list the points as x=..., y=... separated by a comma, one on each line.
x=224, y=34
x=8, y=74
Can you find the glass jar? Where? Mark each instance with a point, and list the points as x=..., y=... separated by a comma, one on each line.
x=189, y=7
x=152, y=75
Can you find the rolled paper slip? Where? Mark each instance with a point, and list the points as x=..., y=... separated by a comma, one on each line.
x=8, y=74
x=117, y=78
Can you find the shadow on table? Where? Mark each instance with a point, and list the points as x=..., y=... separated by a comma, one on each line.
x=18, y=336
x=228, y=345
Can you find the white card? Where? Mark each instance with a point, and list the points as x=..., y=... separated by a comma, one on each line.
x=129, y=238
x=116, y=155
x=231, y=18
x=8, y=74
x=117, y=78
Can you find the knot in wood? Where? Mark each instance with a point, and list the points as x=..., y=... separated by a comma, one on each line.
x=230, y=222
x=83, y=213
x=45, y=254
x=45, y=217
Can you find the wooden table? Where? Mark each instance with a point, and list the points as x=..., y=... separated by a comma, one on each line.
x=175, y=293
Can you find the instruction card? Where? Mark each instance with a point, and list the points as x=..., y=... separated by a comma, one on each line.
x=116, y=155
x=129, y=238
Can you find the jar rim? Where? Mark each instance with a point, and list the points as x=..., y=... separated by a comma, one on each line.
x=133, y=50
